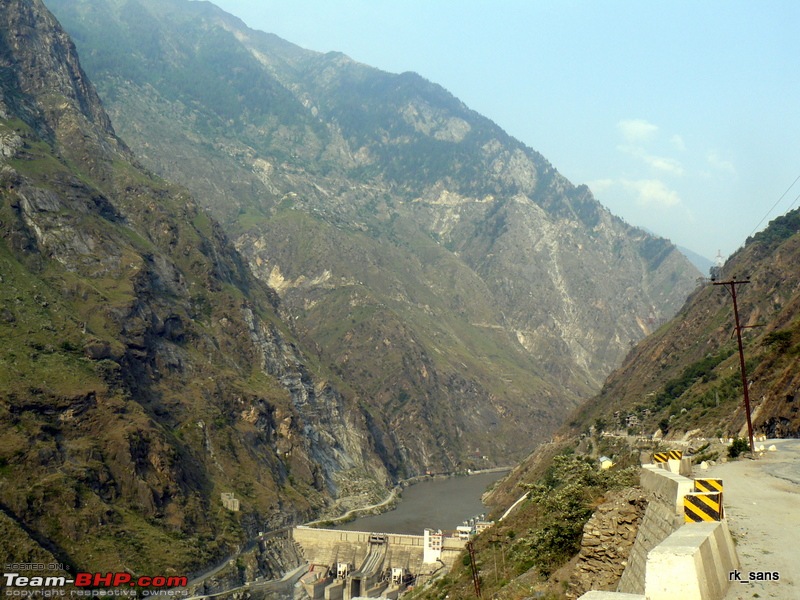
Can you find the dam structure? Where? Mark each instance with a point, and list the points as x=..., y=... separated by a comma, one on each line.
x=344, y=565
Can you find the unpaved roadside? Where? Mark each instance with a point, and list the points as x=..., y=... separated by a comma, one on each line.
x=762, y=505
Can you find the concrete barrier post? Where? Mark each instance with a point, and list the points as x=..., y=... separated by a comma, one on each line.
x=666, y=486
x=702, y=506
x=711, y=484
x=691, y=564
x=708, y=484
x=728, y=559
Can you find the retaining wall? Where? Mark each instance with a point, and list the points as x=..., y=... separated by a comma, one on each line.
x=670, y=558
x=663, y=515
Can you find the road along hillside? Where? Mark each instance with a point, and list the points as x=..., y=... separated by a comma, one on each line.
x=762, y=504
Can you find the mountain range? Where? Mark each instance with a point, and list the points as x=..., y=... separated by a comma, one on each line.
x=298, y=279
x=145, y=371
x=462, y=289
x=678, y=389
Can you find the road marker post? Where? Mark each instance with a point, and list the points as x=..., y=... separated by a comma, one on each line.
x=702, y=506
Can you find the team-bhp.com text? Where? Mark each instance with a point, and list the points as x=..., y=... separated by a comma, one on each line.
x=145, y=586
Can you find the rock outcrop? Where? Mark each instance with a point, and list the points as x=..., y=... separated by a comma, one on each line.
x=686, y=377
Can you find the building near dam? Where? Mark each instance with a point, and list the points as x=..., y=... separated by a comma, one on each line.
x=344, y=565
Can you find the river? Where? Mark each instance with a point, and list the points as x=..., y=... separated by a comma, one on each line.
x=433, y=504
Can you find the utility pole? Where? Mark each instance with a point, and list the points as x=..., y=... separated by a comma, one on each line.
x=731, y=287
x=476, y=581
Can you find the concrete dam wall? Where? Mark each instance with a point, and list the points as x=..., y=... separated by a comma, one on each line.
x=346, y=564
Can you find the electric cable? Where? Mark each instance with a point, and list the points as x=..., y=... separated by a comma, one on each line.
x=774, y=205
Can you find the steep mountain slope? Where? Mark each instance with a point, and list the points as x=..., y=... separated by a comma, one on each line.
x=143, y=370
x=467, y=293
x=686, y=376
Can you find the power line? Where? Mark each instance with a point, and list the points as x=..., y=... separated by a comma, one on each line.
x=795, y=202
x=476, y=580
x=764, y=218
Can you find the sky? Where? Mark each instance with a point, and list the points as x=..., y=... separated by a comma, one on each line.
x=681, y=117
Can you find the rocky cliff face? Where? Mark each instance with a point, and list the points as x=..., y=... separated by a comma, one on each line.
x=143, y=371
x=467, y=293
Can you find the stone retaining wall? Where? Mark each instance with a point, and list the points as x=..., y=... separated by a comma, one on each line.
x=670, y=558
x=663, y=516
x=607, y=540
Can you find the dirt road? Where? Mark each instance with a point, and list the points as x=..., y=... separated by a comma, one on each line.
x=762, y=504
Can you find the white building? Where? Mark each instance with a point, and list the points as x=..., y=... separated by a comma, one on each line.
x=432, y=545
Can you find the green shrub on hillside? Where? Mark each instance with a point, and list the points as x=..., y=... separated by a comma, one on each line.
x=779, y=340
x=565, y=498
x=702, y=369
x=779, y=230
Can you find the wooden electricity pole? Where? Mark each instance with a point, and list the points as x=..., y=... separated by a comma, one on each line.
x=476, y=581
x=731, y=287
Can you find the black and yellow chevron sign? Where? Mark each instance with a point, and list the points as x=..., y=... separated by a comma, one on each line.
x=708, y=485
x=662, y=457
x=702, y=506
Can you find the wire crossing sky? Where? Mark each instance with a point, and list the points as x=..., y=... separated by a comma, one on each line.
x=680, y=116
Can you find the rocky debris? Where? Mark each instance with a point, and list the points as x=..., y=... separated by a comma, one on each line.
x=277, y=556
x=270, y=559
x=608, y=537
x=97, y=349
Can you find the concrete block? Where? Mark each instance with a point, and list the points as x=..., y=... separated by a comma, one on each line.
x=729, y=559
x=666, y=486
x=692, y=564
x=675, y=569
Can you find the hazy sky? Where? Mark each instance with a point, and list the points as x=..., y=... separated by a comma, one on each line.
x=682, y=117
